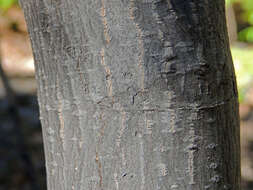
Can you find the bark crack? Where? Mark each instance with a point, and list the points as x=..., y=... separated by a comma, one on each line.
x=99, y=169
x=123, y=126
x=60, y=115
x=140, y=44
x=105, y=23
x=108, y=72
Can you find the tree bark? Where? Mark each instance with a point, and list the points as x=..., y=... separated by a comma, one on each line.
x=136, y=94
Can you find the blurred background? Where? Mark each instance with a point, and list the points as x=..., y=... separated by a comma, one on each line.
x=22, y=164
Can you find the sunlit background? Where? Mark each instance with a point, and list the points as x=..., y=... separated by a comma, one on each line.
x=21, y=151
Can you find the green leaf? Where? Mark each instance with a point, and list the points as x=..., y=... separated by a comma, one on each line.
x=5, y=4
x=246, y=34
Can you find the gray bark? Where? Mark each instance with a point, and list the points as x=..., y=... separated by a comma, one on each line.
x=135, y=94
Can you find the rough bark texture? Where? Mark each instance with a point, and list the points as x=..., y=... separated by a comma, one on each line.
x=136, y=94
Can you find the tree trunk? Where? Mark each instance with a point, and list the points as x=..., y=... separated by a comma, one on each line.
x=135, y=94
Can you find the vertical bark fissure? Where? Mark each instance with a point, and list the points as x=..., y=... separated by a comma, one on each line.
x=116, y=181
x=103, y=14
x=133, y=8
x=108, y=73
x=99, y=166
x=60, y=115
x=142, y=163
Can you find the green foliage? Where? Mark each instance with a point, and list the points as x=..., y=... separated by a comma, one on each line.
x=247, y=17
x=247, y=5
x=229, y=2
x=246, y=34
x=5, y=4
x=243, y=61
